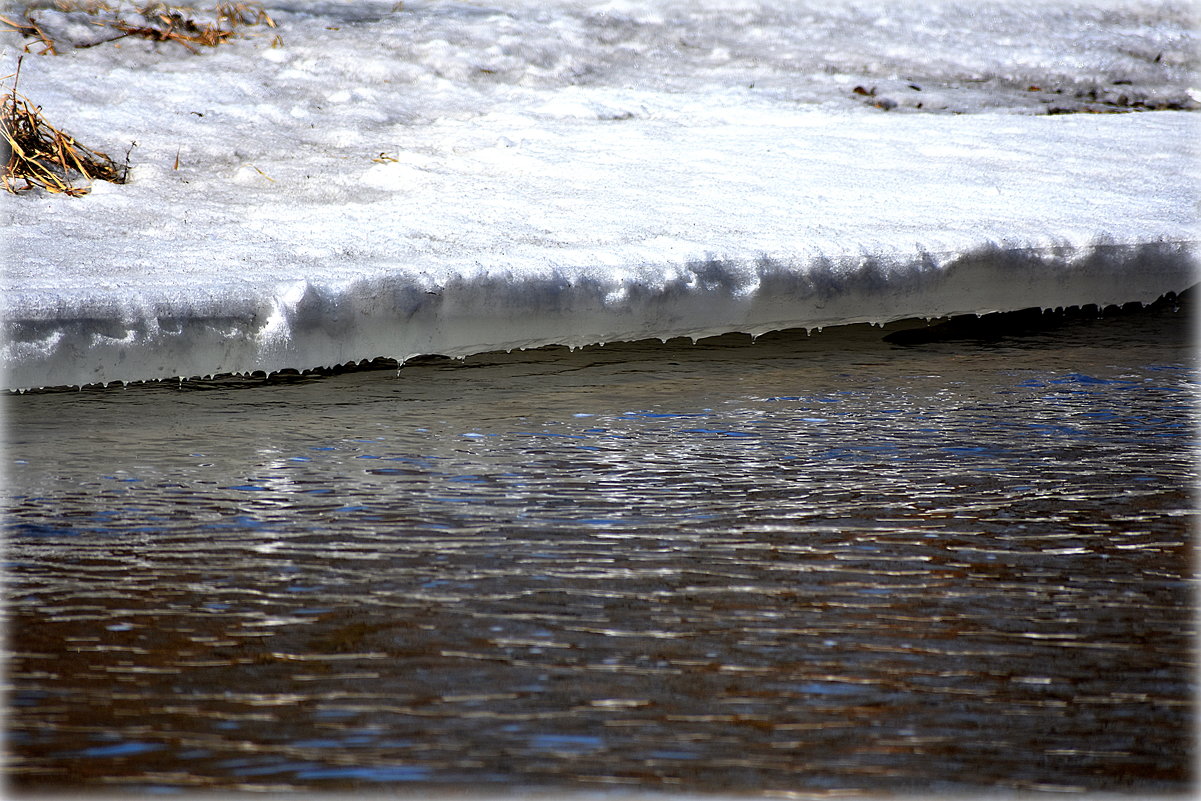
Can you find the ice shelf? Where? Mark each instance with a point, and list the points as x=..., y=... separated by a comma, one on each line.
x=280, y=216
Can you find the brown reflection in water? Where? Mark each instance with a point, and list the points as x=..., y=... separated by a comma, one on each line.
x=780, y=664
x=962, y=576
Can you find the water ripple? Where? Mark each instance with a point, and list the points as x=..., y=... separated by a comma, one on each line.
x=819, y=564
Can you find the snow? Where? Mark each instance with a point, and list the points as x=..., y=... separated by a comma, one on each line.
x=453, y=178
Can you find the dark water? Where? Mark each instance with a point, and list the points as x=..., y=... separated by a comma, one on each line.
x=808, y=564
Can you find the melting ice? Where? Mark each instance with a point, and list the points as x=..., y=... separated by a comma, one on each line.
x=375, y=179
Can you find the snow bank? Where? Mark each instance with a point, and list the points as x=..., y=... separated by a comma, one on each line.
x=452, y=179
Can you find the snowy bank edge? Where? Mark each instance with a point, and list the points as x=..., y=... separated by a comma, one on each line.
x=58, y=339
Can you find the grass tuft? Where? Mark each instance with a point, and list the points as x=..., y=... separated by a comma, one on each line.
x=40, y=155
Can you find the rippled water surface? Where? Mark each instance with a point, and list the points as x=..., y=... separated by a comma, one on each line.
x=808, y=563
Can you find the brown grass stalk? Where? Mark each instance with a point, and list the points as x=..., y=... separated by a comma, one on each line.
x=159, y=22
x=40, y=155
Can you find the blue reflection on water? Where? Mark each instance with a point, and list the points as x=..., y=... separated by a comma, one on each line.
x=38, y=530
x=575, y=743
x=396, y=773
x=116, y=750
x=828, y=688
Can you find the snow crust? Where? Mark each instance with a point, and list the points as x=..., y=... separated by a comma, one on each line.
x=454, y=178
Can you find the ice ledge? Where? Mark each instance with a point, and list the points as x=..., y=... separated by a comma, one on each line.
x=587, y=231
x=75, y=338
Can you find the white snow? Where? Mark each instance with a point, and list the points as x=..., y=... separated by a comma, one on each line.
x=458, y=177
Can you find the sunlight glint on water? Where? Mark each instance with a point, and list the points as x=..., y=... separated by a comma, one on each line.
x=807, y=563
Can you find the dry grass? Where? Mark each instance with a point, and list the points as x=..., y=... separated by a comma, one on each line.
x=40, y=155
x=158, y=22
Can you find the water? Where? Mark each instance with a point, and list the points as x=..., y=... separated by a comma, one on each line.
x=809, y=563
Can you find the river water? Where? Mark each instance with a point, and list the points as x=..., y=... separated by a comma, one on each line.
x=808, y=564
